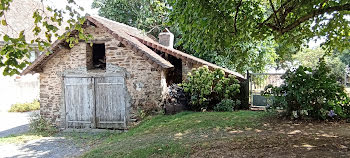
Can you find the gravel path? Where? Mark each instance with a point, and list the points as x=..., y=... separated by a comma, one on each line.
x=47, y=147
x=13, y=123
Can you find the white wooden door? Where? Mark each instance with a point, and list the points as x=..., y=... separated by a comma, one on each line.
x=79, y=102
x=110, y=102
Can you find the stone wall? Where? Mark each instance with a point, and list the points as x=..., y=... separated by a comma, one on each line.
x=51, y=80
x=145, y=84
x=89, y=57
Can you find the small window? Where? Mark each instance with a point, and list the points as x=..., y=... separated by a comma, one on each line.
x=99, y=56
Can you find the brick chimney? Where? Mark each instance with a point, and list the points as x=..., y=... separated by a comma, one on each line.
x=166, y=38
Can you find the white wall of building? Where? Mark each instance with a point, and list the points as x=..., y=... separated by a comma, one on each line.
x=18, y=89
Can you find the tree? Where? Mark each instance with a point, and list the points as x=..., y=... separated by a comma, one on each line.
x=236, y=28
x=311, y=58
x=46, y=20
x=142, y=15
x=240, y=35
x=345, y=57
x=149, y=15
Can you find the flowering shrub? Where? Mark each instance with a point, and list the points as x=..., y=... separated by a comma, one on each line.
x=227, y=105
x=206, y=88
x=25, y=107
x=311, y=93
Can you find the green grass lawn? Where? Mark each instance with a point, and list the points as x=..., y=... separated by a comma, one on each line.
x=20, y=138
x=175, y=135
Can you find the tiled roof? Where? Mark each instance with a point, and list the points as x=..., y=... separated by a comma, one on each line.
x=123, y=33
x=185, y=56
x=137, y=41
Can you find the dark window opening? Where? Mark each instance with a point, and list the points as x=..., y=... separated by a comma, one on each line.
x=174, y=75
x=99, y=56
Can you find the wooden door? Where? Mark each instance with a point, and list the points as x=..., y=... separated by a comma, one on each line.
x=110, y=102
x=79, y=101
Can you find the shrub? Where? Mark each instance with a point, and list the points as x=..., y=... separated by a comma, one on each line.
x=207, y=88
x=311, y=93
x=39, y=125
x=35, y=105
x=226, y=105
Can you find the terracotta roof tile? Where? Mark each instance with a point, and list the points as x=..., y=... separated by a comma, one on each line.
x=143, y=38
x=122, y=33
x=138, y=41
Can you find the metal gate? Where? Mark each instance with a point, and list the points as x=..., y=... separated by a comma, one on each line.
x=95, y=102
x=257, y=84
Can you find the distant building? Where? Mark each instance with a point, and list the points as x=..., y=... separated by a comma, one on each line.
x=19, y=89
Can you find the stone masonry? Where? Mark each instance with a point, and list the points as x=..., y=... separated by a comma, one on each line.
x=145, y=84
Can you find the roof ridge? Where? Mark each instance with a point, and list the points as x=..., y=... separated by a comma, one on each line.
x=127, y=40
x=185, y=56
x=133, y=39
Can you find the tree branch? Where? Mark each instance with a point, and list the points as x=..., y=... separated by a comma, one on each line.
x=236, y=15
x=278, y=10
x=275, y=13
x=287, y=10
x=314, y=14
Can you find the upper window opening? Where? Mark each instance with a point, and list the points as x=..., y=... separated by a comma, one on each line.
x=99, y=56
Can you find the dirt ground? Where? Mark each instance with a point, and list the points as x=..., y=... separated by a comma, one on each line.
x=282, y=139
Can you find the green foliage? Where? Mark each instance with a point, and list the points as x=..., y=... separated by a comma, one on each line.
x=226, y=105
x=39, y=125
x=310, y=93
x=25, y=107
x=311, y=57
x=249, y=34
x=207, y=87
x=143, y=14
x=15, y=53
x=19, y=138
x=345, y=57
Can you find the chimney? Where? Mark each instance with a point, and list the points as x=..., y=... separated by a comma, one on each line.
x=166, y=38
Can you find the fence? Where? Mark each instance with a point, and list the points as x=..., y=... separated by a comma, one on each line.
x=18, y=90
x=257, y=84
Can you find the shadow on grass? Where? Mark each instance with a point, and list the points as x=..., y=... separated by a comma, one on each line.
x=172, y=136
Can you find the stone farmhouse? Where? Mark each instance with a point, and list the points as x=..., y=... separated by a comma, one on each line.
x=104, y=83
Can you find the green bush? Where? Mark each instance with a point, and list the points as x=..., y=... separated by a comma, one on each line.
x=39, y=125
x=310, y=93
x=35, y=105
x=207, y=88
x=226, y=105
